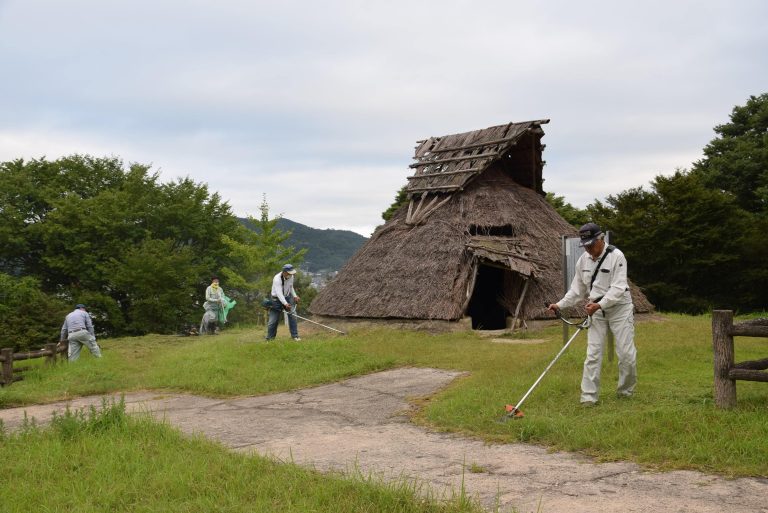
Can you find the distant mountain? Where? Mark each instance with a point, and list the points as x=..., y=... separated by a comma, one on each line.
x=327, y=250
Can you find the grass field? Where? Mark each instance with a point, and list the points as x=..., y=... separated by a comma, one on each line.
x=106, y=461
x=671, y=423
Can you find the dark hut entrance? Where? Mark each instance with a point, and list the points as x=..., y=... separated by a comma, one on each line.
x=484, y=307
x=504, y=269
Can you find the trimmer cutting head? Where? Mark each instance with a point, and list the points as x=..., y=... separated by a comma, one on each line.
x=513, y=412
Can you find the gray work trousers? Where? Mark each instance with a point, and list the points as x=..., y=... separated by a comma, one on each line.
x=621, y=321
x=77, y=340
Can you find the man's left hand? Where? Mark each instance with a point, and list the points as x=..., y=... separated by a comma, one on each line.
x=592, y=308
x=296, y=299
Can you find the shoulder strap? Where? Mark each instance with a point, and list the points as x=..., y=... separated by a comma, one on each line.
x=597, y=269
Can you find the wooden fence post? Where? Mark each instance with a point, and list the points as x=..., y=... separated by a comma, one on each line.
x=722, y=344
x=7, y=354
x=51, y=358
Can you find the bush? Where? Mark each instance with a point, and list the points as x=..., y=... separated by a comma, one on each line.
x=30, y=317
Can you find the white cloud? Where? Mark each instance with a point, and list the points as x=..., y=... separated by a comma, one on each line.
x=331, y=96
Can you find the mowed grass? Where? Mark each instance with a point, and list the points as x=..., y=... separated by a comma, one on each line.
x=235, y=363
x=106, y=461
x=670, y=423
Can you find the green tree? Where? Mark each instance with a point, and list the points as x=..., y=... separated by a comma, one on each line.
x=256, y=254
x=696, y=239
x=736, y=161
x=30, y=190
x=30, y=317
x=688, y=246
x=305, y=290
x=575, y=216
x=401, y=198
x=158, y=280
x=87, y=230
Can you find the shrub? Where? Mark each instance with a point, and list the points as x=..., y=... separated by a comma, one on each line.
x=30, y=317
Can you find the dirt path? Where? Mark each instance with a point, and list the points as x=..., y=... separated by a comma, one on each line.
x=362, y=421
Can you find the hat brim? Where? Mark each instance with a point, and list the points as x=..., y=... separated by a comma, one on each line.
x=292, y=271
x=588, y=242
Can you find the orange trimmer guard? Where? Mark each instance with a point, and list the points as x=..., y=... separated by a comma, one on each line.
x=513, y=412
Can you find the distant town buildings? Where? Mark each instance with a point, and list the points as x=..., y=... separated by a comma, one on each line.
x=321, y=278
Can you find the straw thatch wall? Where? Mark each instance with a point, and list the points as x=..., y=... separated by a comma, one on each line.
x=427, y=271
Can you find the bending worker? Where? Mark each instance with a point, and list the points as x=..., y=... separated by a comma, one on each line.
x=78, y=331
x=284, y=298
x=601, y=280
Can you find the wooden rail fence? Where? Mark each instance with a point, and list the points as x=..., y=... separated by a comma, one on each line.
x=726, y=371
x=7, y=357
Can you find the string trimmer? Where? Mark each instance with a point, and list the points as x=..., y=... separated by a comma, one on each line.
x=267, y=303
x=292, y=312
x=513, y=410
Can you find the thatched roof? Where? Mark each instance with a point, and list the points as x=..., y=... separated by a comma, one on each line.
x=423, y=263
x=449, y=163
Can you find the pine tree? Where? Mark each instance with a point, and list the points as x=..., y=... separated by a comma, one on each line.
x=256, y=255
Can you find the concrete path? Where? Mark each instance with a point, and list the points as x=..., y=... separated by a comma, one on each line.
x=362, y=422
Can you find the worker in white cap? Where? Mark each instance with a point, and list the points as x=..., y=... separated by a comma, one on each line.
x=284, y=298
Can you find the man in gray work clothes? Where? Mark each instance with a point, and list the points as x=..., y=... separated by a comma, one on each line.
x=601, y=281
x=78, y=330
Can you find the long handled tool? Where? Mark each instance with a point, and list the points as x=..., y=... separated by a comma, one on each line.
x=513, y=410
x=313, y=322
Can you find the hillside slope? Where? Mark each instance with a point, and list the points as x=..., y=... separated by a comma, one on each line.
x=327, y=250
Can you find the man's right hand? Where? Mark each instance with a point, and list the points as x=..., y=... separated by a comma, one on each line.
x=553, y=308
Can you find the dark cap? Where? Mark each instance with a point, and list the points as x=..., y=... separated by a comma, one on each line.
x=288, y=268
x=79, y=305
x=589, y=233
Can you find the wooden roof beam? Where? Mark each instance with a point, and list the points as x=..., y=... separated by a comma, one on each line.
x=536, y=124
x=446, y=173
x=454, y=159
x=436, y=187
x=478, y=144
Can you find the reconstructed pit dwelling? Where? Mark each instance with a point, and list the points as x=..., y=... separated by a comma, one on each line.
x=476, y=238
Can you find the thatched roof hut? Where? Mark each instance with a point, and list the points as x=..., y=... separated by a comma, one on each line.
x=477, y=238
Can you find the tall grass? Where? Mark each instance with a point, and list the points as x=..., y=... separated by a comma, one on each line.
x=104, y=460
x=670, y=423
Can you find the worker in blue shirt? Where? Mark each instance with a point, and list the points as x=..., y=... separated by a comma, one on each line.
x=78, y=331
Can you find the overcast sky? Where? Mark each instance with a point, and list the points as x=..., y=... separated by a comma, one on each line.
x=318, y=104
